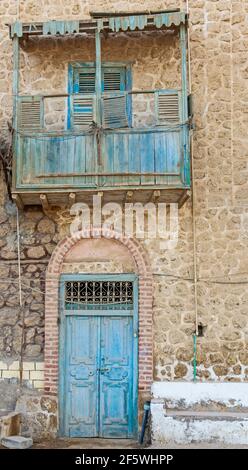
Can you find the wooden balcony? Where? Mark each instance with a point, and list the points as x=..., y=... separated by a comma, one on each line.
x=138, y=160
x=102, y=146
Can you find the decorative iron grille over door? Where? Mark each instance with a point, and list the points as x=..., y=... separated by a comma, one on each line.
x=89, y=295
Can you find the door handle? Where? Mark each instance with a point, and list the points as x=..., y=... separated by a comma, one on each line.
x=105, y=369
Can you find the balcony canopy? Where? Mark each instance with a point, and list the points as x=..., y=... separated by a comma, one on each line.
x=124, y=22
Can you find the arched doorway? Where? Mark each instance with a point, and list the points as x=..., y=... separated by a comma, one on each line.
x=96, y=370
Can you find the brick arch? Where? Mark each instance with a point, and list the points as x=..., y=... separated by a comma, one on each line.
x=54, y=270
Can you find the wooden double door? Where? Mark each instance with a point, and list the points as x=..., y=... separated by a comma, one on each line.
x=98, y=361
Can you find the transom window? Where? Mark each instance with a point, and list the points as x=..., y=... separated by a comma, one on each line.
x=98, y=295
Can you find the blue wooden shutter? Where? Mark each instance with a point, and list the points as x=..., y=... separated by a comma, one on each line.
x=83, y=110
x=30, y=113
x=114, y=79
x=114, y=112
x=85, y=81
x=167, y=105
x=83, y=98
x=114, y=101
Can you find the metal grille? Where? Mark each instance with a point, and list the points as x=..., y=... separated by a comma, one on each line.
x=98, y=295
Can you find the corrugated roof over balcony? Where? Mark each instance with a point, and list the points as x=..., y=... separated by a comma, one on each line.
x=135, y=22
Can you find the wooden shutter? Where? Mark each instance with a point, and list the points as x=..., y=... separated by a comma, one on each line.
x=168, y=108
x=114, y=79
x=114, y=101
x=114, y=111
x=30, y=113
x=83, y=111
x=84, y=80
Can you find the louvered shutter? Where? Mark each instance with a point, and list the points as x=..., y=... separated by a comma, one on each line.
x=83, y=110
x=114, y=111
x=86, y=82
x=113, y=80
x=168, y=108
x=114, y=101
x=30, y=113
x=83, y=99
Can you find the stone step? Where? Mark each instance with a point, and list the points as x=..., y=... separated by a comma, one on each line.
x=9, y=423
x=17, y=442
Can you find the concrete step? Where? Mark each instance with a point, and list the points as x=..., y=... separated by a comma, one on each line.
x=226, y=415
x=185, y=427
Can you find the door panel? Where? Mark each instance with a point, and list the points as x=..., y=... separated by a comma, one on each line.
x=81, y=414
x=116, y=414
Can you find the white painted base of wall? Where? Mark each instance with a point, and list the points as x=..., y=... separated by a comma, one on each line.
x=183, y=412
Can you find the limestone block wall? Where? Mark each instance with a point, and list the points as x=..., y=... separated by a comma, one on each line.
x=32, y=375
x=219, y=83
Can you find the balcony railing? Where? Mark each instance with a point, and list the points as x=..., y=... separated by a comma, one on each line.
x=151, y=154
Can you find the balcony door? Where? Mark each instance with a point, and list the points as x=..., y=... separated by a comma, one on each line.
x=114, y=109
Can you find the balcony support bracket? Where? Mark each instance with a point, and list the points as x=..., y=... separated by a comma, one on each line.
x=16, y=198
x=44, y=202
x=183, y=198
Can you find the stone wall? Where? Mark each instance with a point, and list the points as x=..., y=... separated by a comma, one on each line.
x=219, y=80
x=32, y=373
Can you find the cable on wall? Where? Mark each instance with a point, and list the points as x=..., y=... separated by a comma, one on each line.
x=22, y=304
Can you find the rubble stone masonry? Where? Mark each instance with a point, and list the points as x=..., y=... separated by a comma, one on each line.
x=219, y=76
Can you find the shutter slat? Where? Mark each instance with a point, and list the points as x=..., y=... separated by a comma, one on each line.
x=30, y=115
x=168, y=108
x=114, y=112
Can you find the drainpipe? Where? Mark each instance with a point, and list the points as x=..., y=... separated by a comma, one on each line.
x=193, y=215
x=144, y=420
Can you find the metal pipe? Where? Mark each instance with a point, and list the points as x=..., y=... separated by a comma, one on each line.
x=144, y=420
x=194, y=359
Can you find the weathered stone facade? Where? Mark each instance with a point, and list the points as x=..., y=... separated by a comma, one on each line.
x=218, y=31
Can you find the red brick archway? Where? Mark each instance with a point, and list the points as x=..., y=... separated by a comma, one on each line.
x=52, y=306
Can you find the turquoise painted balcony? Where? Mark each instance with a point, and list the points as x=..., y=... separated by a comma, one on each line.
x=102, y=134
x=128, y=152
x=126, y=159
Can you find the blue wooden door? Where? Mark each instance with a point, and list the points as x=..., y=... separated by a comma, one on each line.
x=116, y=370
x=98, y=363
x=81, y=400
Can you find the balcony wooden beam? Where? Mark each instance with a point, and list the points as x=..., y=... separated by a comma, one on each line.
x=16, y=198
x=44, y=202
x=71, y=199
x=155, y=196
x=183, y=198
x=128, y=196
